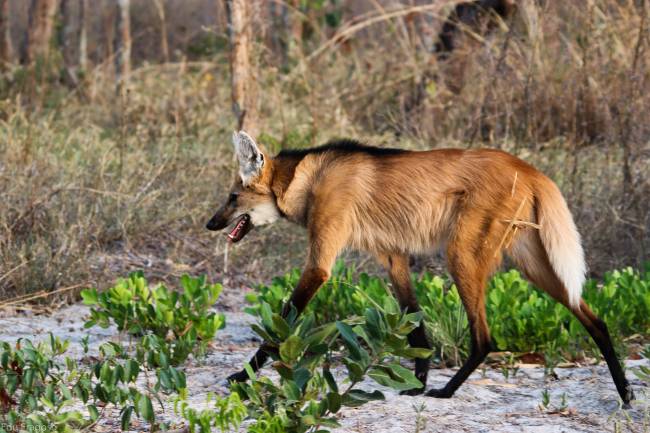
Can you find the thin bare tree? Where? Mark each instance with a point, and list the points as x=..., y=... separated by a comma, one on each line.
x=122, y=43
x=293, y=24
x=164, y=46
x=67, y=39
x=6, y=47
x=287, y=29
x=243, y=81
x=39, y=30
x=108, y=28
x=83, y=35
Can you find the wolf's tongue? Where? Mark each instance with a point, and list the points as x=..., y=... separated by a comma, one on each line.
x=239, y=230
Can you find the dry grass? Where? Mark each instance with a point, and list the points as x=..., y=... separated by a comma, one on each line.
x=94, y=183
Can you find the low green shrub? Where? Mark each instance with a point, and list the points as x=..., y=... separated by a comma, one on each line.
x=307, y=396
x=179, y=322
x=118, y=371
x=35, y=387
x=521, y=317
x=643, y=372
x=38, y=387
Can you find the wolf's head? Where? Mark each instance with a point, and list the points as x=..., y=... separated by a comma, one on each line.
x=250, y=201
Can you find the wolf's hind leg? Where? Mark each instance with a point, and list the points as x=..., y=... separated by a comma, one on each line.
x=532, y=259
x=470, y=271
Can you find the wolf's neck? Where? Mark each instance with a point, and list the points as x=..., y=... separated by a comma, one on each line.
x=290, y=189
x=284, y=170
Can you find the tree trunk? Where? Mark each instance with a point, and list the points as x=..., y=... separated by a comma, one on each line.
x=108, y=25
x=67, y=42
x=123, y=40
x=277, y=26
x=164, y=46
x=244, y=86
x=293, y=24
x=83, y=35
x=39, y=30
x=6, y=47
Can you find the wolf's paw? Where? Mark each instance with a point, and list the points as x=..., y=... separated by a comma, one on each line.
x=629, y=396
x=240, y=376
x=414, y=391
x=438, y=393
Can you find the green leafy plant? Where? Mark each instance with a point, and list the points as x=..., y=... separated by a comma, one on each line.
x=178, y=323
x=420, y=421
x=223, y=413
x=444, y=317
x=546, y=398
x=547, y=406
x=117, y=372
x=38, y=387
x=307, y=396
x=339, y=293
x=643, y=372
x=521, y=318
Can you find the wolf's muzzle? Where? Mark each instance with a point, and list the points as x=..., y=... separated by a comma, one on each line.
x=216, y=223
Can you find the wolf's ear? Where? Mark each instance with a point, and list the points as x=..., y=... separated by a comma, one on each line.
x=250, y=157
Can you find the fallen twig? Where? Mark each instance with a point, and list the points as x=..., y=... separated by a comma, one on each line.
x=23, y=298
x=523, y=224
x=510, y=227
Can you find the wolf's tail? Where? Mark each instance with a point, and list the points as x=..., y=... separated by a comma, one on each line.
x=561, y=239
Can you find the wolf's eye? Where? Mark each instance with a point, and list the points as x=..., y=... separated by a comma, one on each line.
x=232, y=197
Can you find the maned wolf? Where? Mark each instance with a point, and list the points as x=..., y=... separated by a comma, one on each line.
x=394, y=203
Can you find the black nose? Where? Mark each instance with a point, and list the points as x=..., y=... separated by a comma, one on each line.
x=212, y=225
x=217, y=222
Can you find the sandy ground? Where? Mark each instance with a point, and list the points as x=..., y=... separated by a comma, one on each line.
x=486, y=403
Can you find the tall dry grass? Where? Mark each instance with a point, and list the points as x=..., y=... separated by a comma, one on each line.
x=565, y=85
x=95, y=182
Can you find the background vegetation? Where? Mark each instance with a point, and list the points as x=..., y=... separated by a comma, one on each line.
x=115, y=124
x=321, y=359
x=322, y=355
x=42, y=387
x=521, y=319
x=105, y=168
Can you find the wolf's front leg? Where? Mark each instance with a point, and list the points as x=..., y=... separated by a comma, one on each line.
x=328, y=234
x=257, y=361
x=399, y=272
x=310, y=281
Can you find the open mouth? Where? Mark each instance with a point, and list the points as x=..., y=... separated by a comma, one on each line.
x=242, y=227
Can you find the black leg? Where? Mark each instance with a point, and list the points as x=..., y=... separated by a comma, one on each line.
x=397, y=266
x=598, y=331
x=477, y=355
x=418, y=338
x=310, y=282
x=530, y=256
x=257, y=361
x=471, y=288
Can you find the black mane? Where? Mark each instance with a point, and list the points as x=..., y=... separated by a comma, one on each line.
x=343, y=146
